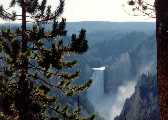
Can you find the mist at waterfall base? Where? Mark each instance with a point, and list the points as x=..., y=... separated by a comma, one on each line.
x=108, y=105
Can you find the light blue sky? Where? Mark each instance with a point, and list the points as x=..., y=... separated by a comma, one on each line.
x=93, y=10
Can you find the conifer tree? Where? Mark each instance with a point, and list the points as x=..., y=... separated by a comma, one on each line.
x=30, y=69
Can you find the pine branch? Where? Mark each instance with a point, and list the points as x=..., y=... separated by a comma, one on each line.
x=13, y=3
x=33, y=65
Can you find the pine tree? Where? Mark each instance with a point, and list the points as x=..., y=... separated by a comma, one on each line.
x=30, y=70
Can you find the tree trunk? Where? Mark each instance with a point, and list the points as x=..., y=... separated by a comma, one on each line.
x=162, y=55
x=24, y=40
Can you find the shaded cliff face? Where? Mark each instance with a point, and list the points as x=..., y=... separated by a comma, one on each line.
x=143, y=104
x=131, y=64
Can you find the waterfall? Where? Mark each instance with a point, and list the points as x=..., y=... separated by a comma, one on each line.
x=107, y=105
x=96, y=91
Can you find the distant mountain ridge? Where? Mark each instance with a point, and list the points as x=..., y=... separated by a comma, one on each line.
x=92, y=26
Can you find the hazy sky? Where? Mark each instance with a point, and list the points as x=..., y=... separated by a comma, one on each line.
x=93, y=10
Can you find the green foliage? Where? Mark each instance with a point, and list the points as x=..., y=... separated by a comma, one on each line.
x=79, y=45
x=30, y=75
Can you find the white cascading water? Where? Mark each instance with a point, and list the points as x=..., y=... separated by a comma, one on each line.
x=96, y=91
x=96, y=94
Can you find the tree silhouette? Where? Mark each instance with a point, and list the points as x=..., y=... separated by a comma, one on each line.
x=30, y=70
x=141, y=8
